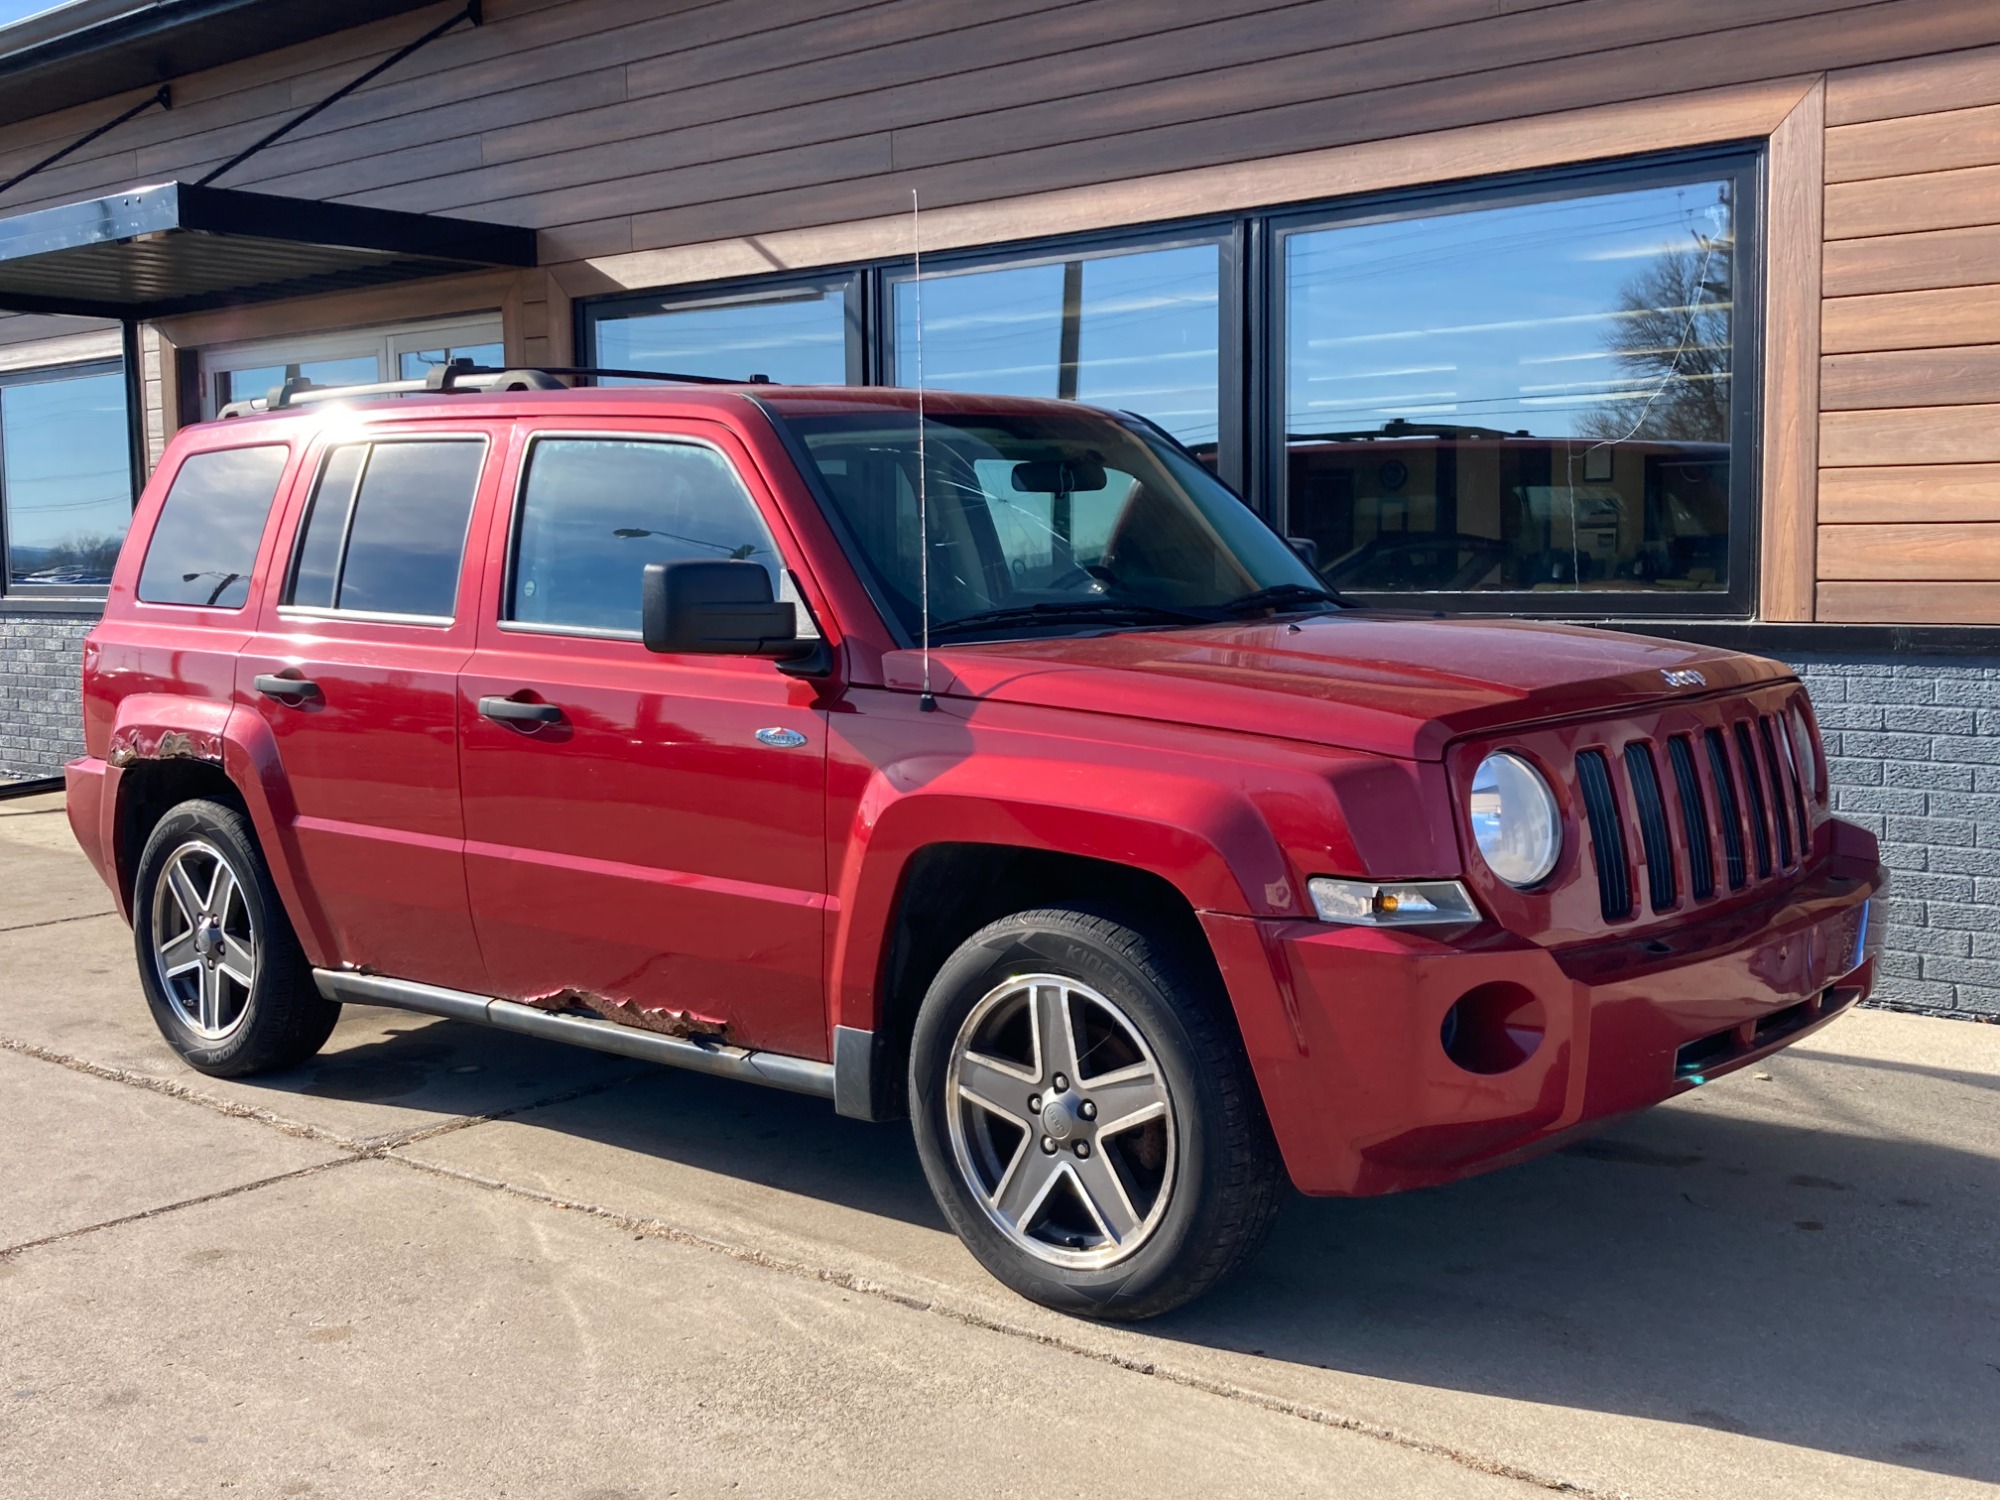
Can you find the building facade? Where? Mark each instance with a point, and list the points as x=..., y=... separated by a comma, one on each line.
x=1681, y=318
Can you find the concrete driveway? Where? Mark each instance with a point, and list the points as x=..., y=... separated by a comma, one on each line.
x=445, y=1261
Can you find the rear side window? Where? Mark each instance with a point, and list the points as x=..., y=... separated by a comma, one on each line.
x=595, y=511
x=205, y=544
x=386, y=532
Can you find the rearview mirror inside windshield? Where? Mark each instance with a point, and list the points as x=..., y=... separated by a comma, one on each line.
x=1059, y=476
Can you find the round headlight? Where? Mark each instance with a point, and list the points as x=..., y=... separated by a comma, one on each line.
x=1514, y=819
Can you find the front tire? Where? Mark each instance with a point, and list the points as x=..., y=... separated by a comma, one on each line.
x=223, y=973
x=1086, y=1116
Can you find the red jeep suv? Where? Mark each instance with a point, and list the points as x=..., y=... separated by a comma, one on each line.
x=991, y=764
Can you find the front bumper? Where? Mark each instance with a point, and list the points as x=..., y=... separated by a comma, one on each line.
x=1346, y=1027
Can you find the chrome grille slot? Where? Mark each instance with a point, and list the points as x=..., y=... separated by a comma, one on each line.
x=1644, y=778
x=1753, y=786
x=1783, y=730
x=1780, y=809
x=1694, y=818
x=1607, y=835
x=1730, y=808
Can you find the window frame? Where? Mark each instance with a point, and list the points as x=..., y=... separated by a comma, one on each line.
x=517, y=511
x=82, y=593
x=854, y=285
x=1744, y=167
x=287, y=610
x=1232, y=350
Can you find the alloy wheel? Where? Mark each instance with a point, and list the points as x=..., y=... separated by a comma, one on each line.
x=204, y=941
x=1061, y=1121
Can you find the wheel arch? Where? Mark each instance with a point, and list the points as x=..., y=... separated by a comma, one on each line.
x=947, y=891
x=165, y=750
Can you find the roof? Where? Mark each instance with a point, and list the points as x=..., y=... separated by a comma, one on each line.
x=169, y=248
x=94, y=49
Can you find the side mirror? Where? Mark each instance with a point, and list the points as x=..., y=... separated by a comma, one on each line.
x=1307, y=550
x=716, y=609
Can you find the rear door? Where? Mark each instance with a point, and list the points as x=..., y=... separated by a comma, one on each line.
x=651, y=839
x=354, y=667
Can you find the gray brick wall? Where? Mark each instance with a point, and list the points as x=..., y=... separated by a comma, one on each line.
x=41, y=669
x=1913, y=743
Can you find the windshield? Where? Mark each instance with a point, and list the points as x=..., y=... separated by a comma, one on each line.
x=1047, y=522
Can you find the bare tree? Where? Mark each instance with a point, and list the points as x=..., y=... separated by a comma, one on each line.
x=1672, y=345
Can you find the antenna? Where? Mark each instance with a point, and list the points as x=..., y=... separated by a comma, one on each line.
x=926, y=701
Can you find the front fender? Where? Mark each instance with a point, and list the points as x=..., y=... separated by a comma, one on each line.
x=1206, y=840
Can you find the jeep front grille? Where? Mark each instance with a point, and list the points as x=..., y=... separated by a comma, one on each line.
x=1753, y=806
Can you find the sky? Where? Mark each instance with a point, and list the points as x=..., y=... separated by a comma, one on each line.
x=16, y=10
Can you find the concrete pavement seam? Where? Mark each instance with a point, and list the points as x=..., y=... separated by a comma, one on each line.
x=968, y=1317
x=167, y=1208
x=366, y=1145
x=82, y=916
x=179, y=1091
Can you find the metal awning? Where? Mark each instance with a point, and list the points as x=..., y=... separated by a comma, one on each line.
x=152, y=252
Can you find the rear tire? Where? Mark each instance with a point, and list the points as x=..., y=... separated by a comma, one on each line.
x=225, y=978
x=1086, y=1116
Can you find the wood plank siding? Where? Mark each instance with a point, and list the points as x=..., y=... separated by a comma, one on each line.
x=658, y=142
x=1909, y=494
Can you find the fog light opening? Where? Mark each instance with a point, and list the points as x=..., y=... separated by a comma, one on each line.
x=1493, y=1028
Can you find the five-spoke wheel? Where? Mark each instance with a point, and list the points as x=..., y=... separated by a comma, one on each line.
x=1063, y=1120
x=222, y=970
x=1085, y=1114
x=204, y=941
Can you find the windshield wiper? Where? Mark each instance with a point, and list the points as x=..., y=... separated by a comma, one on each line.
x=1058, y=612
x=1282, y=596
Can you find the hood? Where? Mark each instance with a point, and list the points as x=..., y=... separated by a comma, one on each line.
x=1386, y=684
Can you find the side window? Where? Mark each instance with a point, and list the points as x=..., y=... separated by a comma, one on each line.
x=205, y=543
x=595, y=511
x=386, y=532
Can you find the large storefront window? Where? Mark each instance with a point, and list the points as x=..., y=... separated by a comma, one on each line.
x=1535, y=398
x=802, y=334
x=65, y=478
x=1139, y=331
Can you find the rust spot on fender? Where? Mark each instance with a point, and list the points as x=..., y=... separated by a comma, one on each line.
x=129, y=745
x=676, y=1023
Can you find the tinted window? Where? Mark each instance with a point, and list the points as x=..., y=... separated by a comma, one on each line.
x=206, y=541
x=65, y=478
x=387, y=528
x=318, y=568
x=595, y=511
x=1139, y=331
x=1534, y=397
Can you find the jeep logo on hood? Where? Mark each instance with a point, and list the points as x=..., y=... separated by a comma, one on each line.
x=1688, y=678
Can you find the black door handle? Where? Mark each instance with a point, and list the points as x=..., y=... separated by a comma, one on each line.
x=512, y=710
x=273, y=685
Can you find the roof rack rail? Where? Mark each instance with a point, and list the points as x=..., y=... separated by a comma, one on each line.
x=461, y=375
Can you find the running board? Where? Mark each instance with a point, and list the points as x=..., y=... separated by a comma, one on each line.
x=777, y=1069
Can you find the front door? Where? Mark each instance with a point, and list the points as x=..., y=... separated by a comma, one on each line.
x=354, y=667
x=644, y=833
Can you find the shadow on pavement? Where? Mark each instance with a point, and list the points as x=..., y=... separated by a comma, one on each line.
x=1695, y=1266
